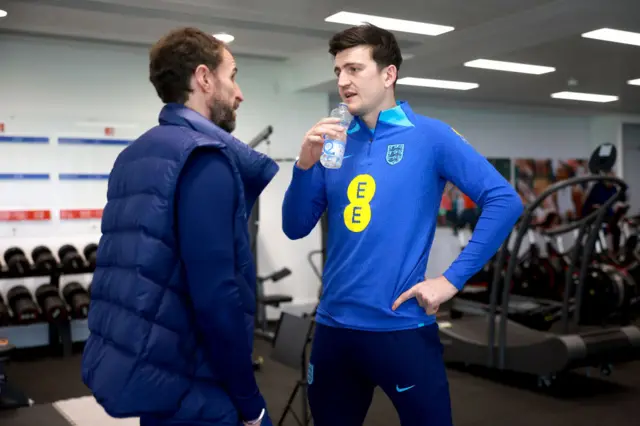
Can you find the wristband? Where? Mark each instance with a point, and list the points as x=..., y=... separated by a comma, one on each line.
x=256, y=421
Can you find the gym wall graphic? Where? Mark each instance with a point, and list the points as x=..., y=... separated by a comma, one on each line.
x=534, y=176
x=457, y=210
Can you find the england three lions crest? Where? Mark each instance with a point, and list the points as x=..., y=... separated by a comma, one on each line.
x=310, y=374
x=395, y=153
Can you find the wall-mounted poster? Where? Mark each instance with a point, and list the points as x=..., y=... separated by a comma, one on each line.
x=502, y=165
x=534, y=176
x=457, y=210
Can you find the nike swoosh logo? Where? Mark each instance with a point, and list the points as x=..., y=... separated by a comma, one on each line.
x=347, y=156
x=400, y=390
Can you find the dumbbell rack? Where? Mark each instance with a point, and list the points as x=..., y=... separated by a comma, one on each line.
x=60, y=338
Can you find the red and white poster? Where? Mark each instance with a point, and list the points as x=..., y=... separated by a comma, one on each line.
x=80, y=214
x=24, y=215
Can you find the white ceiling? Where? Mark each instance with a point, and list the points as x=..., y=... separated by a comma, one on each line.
x=544, y=32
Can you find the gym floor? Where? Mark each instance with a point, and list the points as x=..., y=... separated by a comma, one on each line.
x=478, y=398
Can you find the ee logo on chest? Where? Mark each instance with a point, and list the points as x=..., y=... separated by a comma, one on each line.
x=360, y=192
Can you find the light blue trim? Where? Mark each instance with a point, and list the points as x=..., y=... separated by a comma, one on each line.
x=395, y=116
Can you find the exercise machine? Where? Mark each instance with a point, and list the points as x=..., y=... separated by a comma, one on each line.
x=263, y=300
x=315, y=269
x=291, y=348
x=529, y=303
x=261, y=328
x=493, y=340
x=46, y=301
x=610, y=293
x=10, y=396
x=274, y=300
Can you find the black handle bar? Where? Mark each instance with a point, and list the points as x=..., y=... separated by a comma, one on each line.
x=312, y=263
x=261, y=136
x=568, y=227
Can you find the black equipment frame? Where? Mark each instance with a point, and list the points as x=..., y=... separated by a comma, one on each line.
x=594, y=220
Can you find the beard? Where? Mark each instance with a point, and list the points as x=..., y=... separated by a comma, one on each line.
x=222, y=115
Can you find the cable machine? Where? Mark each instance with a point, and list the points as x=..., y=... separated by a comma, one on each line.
x=262, y=300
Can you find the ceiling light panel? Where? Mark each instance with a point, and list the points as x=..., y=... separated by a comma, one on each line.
x=224, y=37
x=614, y=36
x=438, y=84
x=391, y=24
x=509, y=66
x=585, y=97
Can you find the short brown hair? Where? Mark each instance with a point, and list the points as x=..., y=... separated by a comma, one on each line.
x=175, y=57
x=385, y=50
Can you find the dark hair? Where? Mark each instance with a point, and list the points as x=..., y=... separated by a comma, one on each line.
x=385, y=50
x=175, y=57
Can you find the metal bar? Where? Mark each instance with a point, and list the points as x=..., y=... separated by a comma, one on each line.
x=263, y=135
x=588, y=251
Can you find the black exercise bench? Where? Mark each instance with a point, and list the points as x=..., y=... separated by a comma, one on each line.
x=273, y=300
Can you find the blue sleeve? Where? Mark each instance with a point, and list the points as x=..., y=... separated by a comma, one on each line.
x=304, y=201
x=459, y=163
x=206, y=207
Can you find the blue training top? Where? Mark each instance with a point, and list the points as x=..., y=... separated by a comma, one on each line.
x=382, y=210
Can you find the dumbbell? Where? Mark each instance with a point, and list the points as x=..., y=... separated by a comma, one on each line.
x=43, y=259
x=24, y=309
x=50, y=302
x=90, y=252
x=4, y=313
x=16, y=261
x=70, y=258
x=77, y=298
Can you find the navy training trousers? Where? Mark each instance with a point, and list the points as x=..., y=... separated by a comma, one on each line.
x=347, y=365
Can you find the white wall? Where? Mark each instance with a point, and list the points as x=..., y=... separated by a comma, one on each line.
x=497, y=133
x=59, y=88
x=513, y=132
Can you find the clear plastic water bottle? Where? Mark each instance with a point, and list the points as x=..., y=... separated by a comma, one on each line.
x=333, y=149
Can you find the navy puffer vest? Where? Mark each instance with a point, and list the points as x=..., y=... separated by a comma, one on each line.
x=143, y=355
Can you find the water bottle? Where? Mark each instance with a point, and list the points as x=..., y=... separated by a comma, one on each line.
x=333, y=149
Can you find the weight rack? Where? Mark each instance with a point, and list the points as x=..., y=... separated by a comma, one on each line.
x=59, y=332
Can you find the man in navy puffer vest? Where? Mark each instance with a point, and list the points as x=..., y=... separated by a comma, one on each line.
x=173, y=293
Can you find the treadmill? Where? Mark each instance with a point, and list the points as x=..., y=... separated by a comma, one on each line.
x=529, y=310
x=495, y=341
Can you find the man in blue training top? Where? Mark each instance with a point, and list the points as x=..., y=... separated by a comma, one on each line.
x=173, y=292
x=376, y=318
x=597, y=196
